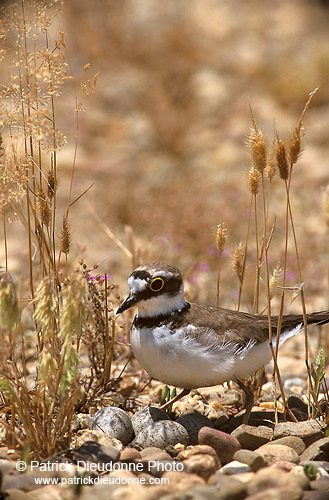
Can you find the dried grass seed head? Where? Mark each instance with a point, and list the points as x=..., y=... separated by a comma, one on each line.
x=237, y=262
x=254, y=177
x=295, y=146
x=271, y=167
x=274, y=279
x=221, y=236
x=258, y=149
x=282, y=161
x=52, y=183
x=43, y=207
x=65, y=236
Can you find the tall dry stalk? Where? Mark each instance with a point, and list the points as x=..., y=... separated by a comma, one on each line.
x=29, y=168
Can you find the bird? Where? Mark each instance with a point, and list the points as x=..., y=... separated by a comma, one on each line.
x=189, y=345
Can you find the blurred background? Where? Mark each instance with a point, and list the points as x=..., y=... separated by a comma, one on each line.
x=163, y=135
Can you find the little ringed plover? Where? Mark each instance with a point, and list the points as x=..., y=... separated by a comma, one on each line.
x=189, y=345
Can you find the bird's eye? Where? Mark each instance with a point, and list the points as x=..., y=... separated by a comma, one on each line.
x=157, y=284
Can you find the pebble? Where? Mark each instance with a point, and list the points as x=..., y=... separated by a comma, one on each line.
x=314, y=495
x=147, y=416
x=321, y=484
x=278, y=494
x=161, y=434
x=16, y=494
x=251, y=458
x=198, y=449
x=317, y=451
x=128, y=454
x=98, y=437
x=49, y=492
x=309, y=431
x=284, y=465
x=182, y=481
x=23, y=482
x=251, y=437
x=114, y=422
x=154, y=453
x=201, y=464
x=235, y=467
x=277, y=452
x=294, y=442
x=224, y=444
x=228, y=487
x=198, y=493
x=193, y=422
x=92, y=451
x=267, y=478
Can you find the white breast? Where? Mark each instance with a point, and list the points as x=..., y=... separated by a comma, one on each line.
x=178, y=360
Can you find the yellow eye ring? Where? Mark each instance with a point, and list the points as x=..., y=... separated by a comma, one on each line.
x=157, y=284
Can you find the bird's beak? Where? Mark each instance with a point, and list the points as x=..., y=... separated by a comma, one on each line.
x=130, y=301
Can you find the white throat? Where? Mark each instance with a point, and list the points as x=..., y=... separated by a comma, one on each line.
x=161, y=304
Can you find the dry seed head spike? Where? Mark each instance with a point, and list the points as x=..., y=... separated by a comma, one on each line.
x=65, y=236
x=254, y=177
x=43, y=207
x=221, y=235
x=237, y=261
x=295, y=142
x=51, y=183
x=257, y=144
x=282, y=160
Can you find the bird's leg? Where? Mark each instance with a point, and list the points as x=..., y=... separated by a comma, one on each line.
x=183, y=393
x=249, y=400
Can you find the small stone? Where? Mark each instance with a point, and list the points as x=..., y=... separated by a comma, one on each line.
x=129, y=454
x=294, y=442
x=309, y=431
x=199, y=449
x=201, y=464
x=154, y=453
x=182, y=481
x=277, y=452
x=315, y=495
x=224, y=444
x=91, y=451
x=114, y=422
x=317, y=451
x=146, y=416
x=235, y=467
x=23, y=482
x=251, y=437
x=284, y=465
x=198, y=493
x=251, y=458
x=228, y=487
x=15, y=494
x=277, y=494
x=161, y=434
x=98, y=437
x=45, y=493
x=321, y=484
x=193, y=422
x=267, y=478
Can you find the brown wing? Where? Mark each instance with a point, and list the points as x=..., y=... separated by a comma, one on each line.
x=240, y=327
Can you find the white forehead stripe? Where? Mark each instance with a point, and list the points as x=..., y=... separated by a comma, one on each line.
x=137, y=284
